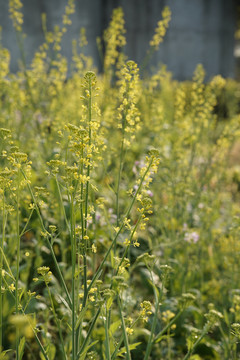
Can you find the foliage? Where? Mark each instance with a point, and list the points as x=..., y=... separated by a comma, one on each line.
x=119, y=207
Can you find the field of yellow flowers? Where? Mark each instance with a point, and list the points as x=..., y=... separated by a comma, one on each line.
x=119, y=202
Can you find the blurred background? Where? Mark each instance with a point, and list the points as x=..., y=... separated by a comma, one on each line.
x=200, y=31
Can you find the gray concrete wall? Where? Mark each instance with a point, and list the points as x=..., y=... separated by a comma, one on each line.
x=88, y=14
x=201, y=31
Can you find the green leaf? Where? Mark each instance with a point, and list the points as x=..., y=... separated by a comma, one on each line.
x=64, y=302
x=3, y=354
x=109, y=303
x=21, y=347
x=51, y=352
x=83, y=355
x=142, y=332
x=122, y=351
x=114, y=326
x=163, y=337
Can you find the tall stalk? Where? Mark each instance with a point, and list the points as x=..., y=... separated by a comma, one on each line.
x=58, y=323
x=119, y=180
x=191, y=351
x=79, y=329
x=1, y=272
x=73, y=252
x=85, y=201
x=48, y=241
x=125, y=337
x=157, y=296
x=97, y=273
x=87, y=189
x=107, y=343
x=43, y=351
x=18, y=263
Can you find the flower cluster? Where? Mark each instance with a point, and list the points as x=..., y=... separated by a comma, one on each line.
x=16, y=13
x=129, y=92
x=46, y=274
x=114, y=38
x=146, y=310
x=161, y=28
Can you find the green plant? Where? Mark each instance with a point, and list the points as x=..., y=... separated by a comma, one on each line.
x=122, y=229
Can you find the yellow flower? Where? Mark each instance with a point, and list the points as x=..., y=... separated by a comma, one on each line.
x=136, y=244
x=12, y=287
x=94, y=249
x=129, y=331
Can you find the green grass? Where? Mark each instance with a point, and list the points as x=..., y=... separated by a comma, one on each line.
x=119, y=200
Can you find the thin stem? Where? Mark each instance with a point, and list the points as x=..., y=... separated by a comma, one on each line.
x=48, y=241
x=78, y=331
x=32, y=328
x=127, y=247
x=106, y=325
x=7, y=264
x=1, y=271
x=120, y=229
x=154, y=323
x=18, y=264
x=57, y=321
x=147, y=58
x=160, y=334
x=117, y=348
x=119, y=179
x=88, y=334
x=190, y=351
x=227, y=348
x=26, y=225
x=73, y=249
x=87, y=192
x=84, y=214
x=61, y=202
x=128, y=354
x=169, y=343
x=20, y=37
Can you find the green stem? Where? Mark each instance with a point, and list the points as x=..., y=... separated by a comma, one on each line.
x=57, y=322
x=128, y=354
x=49, y=242
x=119, y=179
x=1, y=272
x=73, y=249
x=169, y=343
x=88, y=334
x=190, y=351
x=120, y=229
x=106, y=325
x=78, y=331
x=117, y=348
x=7, y=264
x=227, y=348
x=84, y=214
x=154, y=323
x=62, y=205
x=147, y=58
x=160, y=334
x=18, y=264
x=87, y=187
x=26, y=225
x=20, y=37
x=34, y=331
x=127, y=247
